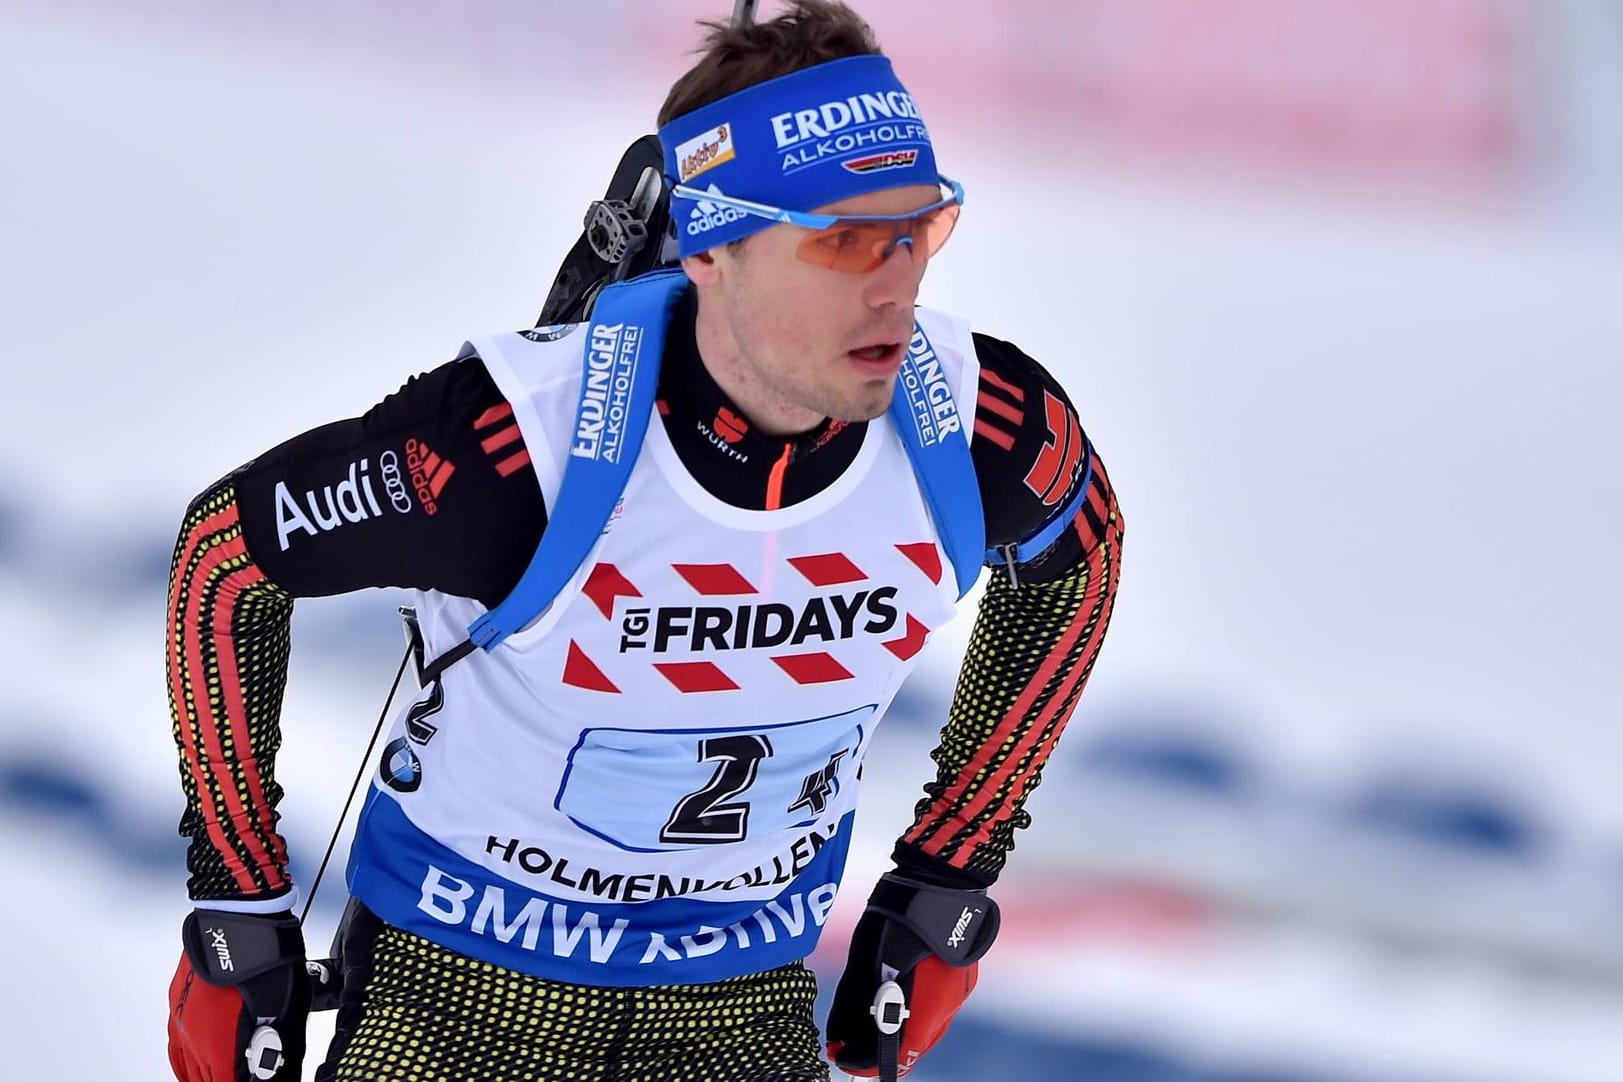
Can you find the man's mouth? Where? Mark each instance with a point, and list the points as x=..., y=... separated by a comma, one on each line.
x=881, y=353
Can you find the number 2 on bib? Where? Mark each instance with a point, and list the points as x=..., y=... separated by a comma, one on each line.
x=665, y=790
x=704, y=817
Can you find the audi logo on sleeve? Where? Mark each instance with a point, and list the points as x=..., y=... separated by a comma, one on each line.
x=356, y=497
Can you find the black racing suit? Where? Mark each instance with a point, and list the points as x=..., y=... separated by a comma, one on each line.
x=414, y=1009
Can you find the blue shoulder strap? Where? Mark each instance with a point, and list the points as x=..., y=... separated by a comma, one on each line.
x=624, y=343
x=928, y=419
x=931, y=426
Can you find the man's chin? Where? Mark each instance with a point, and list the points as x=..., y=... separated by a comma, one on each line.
x=870, y=402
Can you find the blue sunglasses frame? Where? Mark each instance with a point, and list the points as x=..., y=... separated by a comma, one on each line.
x=808, y=220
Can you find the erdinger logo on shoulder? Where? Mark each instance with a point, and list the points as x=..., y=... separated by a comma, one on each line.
x=605, y=396
x=928, y=393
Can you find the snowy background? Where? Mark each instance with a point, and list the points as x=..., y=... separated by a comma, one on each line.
x=1335, y=285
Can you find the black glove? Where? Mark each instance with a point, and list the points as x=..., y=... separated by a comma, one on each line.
x=239, y=999
x=927, y=938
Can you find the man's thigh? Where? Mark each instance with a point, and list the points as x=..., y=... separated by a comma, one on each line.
x=414, y=1010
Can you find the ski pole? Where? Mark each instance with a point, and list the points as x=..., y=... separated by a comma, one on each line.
x=889, y=1011
x=327, y=974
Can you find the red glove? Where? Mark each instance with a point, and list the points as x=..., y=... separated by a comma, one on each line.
x=928, y=939
x=238, y=1003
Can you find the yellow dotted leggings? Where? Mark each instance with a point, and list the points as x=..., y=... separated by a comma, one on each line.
x=414, y=1011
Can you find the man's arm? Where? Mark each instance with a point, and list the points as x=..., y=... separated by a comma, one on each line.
x=1038, y=630
x=1035, y=639
x=431, y=488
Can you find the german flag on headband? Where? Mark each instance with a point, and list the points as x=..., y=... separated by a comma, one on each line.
x=801, y=141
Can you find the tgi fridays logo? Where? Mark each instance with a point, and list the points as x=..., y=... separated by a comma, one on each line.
x=697, y=629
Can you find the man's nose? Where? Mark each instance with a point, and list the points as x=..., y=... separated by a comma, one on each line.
x=895, y=282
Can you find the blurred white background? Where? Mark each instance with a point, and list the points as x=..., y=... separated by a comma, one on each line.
x=1335, y=285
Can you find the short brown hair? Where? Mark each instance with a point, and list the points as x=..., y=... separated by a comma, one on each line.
x=809, y=33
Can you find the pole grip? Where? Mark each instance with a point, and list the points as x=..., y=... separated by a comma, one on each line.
x=889, y=1011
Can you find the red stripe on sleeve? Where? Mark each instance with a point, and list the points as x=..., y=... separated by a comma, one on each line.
x=1010, y=389
x=210, y=725
x=180, y=661
x=996, y=435
x=942, y=810
x=236, y=713
x=996, y=405
x=1101, y=567
x=513, y=463
x=982, y=832
x=492, y=444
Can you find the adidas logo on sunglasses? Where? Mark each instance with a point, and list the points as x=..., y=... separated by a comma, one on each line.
x=707, y=215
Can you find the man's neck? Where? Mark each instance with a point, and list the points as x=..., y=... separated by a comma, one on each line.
x=769, y=411
x=726, y=452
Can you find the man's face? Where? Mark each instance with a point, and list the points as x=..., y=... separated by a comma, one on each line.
x=826, y=341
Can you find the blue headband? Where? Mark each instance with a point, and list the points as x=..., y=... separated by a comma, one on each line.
x=803, y=140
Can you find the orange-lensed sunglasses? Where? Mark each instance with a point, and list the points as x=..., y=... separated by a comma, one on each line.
x=854, y=243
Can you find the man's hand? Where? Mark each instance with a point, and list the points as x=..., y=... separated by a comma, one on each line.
x=928, y=939
x=239, y=1000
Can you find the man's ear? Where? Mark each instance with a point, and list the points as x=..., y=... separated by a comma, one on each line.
x=701, y=269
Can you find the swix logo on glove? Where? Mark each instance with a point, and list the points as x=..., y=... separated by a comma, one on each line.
x=961, y=929
x=222, y=949
x=239, y=998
